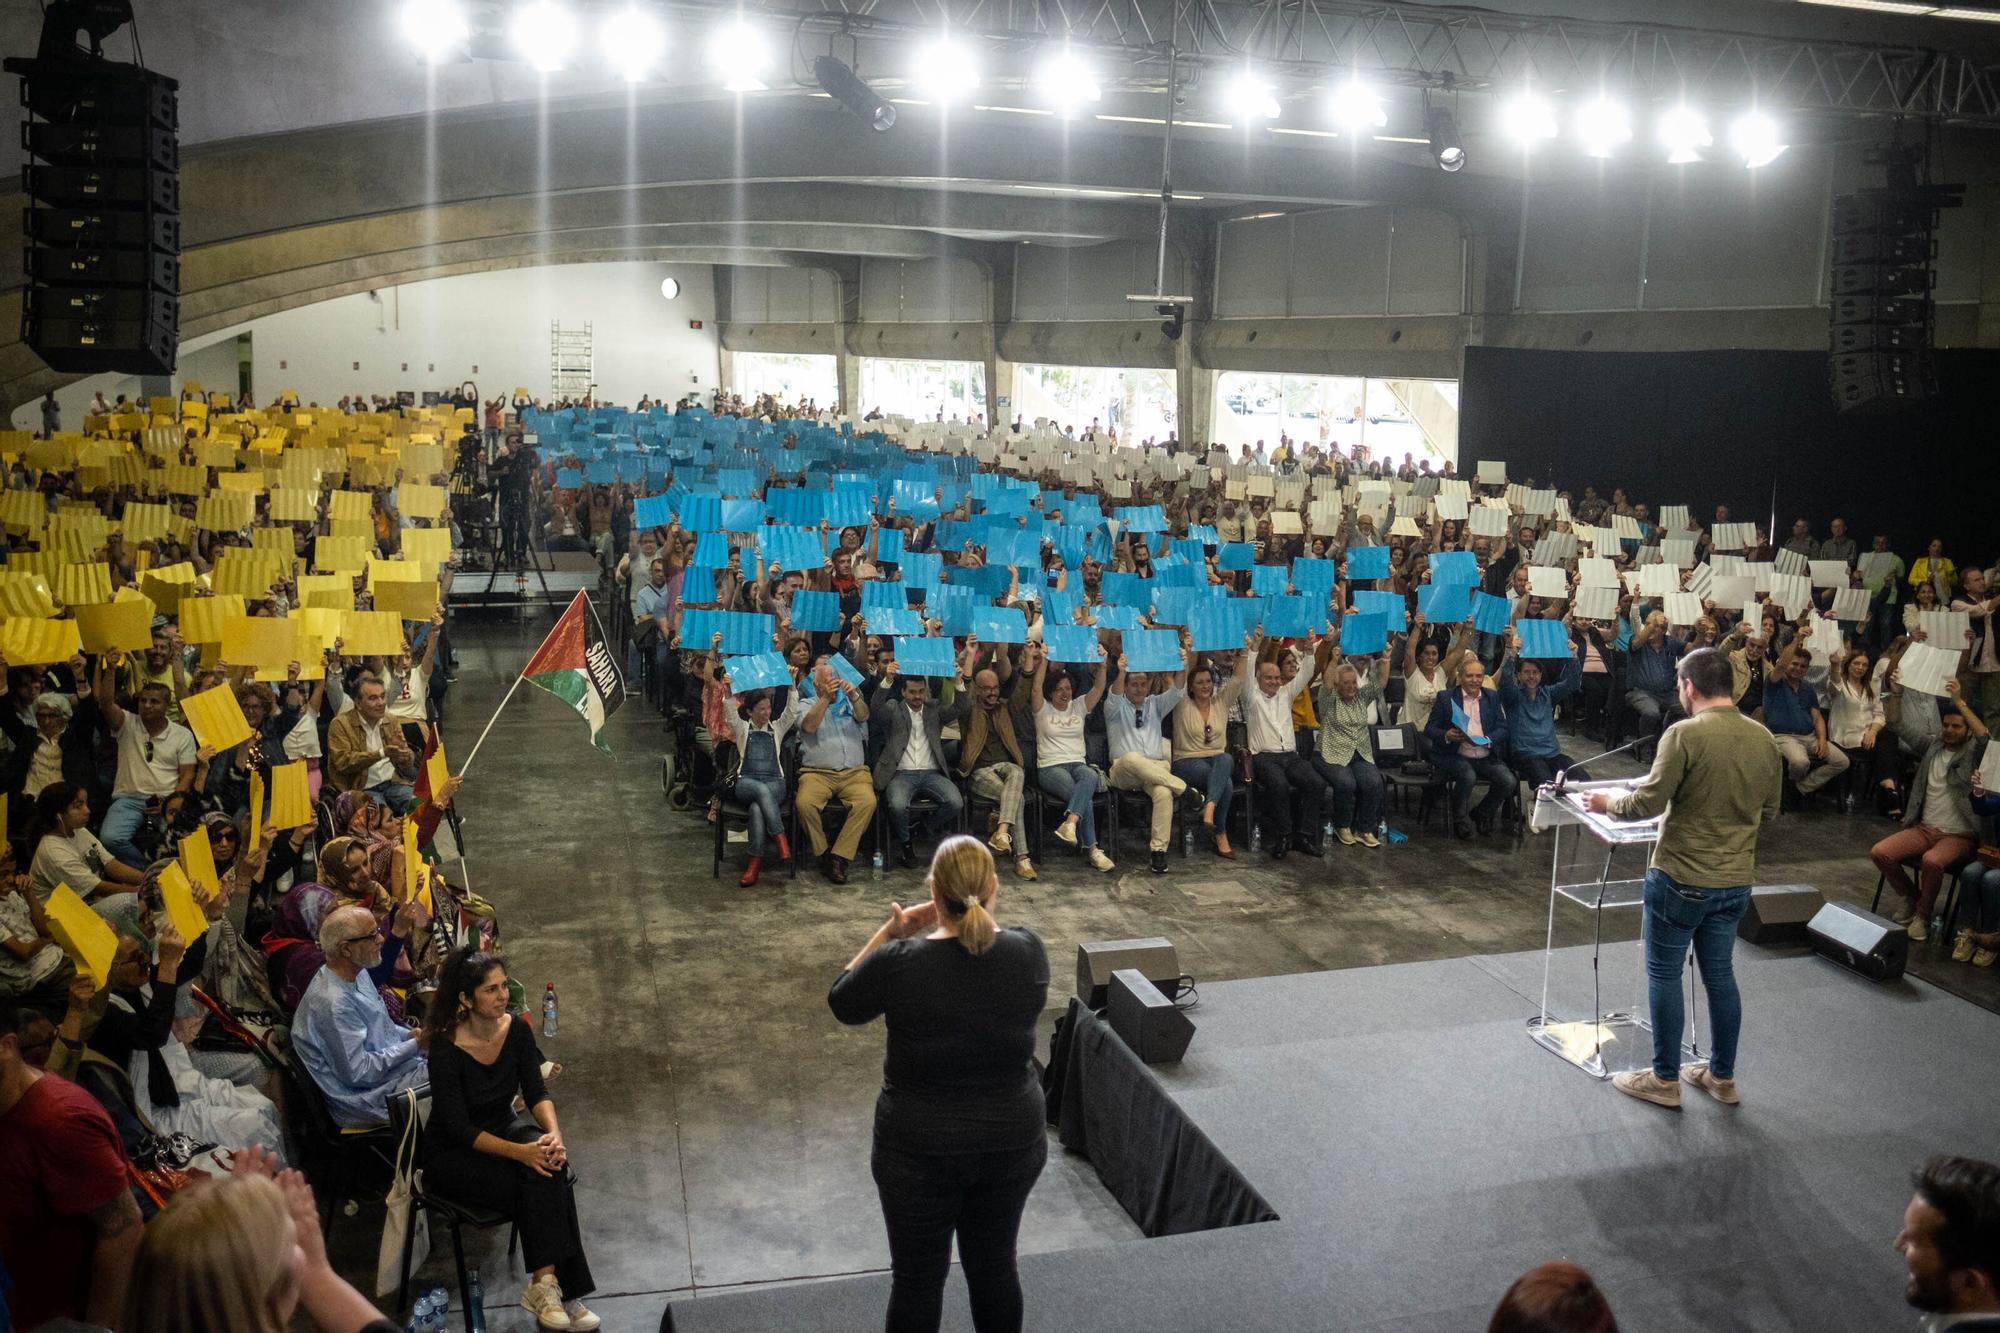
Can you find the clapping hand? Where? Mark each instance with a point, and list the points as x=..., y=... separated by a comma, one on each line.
x=907, y=921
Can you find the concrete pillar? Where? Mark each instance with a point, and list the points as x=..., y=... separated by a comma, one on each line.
x=847, y=367
x=725, y=362
x=997, y=262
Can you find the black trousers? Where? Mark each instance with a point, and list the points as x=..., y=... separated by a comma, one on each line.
x=543, y=1207
x=1280, y=777
x=927, y=1198
x=1536, y=769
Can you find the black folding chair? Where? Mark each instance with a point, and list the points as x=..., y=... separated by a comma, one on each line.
x=458, y=1216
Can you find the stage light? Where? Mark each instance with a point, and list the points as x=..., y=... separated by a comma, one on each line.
x=436, y=28
x=1602, y=126
x=1446, y=143
x=1354, y=106
x=1068, y=81
x=1684, y=133
x=1756, y=139
x=544, y=34
x=1529, y=120
x=947, y=70
x=1252, y=96
x=846, y=87
x=670, y=288
x=633, y=41
x=742, y=56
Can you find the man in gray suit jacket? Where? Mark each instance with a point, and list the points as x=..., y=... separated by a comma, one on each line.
x=912, y=762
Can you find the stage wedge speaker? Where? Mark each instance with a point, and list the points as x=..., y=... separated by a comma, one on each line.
x=1874, y=946
x=1778, y=914
x=102, y=178
x=1146, y=1020
x=1156, y=959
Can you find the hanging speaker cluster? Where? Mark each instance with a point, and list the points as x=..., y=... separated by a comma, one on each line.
x=1884, y=269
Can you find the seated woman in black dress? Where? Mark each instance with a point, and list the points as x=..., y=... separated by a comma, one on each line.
x=478, y=1150
x=961, y=1129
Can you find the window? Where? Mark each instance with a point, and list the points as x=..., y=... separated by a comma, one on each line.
x=1136, y=405
x=921, y=390
x=792, y=376
x=1390, y=417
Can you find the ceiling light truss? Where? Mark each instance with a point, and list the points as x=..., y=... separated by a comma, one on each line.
x=1311, y=41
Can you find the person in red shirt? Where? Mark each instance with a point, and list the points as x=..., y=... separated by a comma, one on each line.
x=70, y=1227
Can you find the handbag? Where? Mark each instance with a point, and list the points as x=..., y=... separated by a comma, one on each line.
x=396, y=1227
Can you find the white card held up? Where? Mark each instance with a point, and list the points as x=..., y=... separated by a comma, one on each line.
x=1753, y=615
x=1731, y=589
x=1948, y=630
x=1538, y=503
x=1791, y=562
x=1492, y=472
x=1726, y=564
x=1598, y=602
x=1734, y=536
x=1828, y=573
x=1627, y=527
x=1405, y=526
x=1674, y=518
x=1285, y=522
x=1989, y=768
x=1878, y=564
x=1597, y=571
x=1458, y=486
x=1678, y=552
x=1761, y=573
x=1682, y=608
x=1658, y=580
x=1793, y=592
x=1450, y=507
x=1554, y=548
x=1547, y=581
x=1701, y=582
x=1926, y=669
x=1489, y=522
x=1825, y=637
x=1850, y=604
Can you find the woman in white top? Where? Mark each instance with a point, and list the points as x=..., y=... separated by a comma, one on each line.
x=1426, y=671
x=1059, y=756
x=1855, y=721
x=67, y=852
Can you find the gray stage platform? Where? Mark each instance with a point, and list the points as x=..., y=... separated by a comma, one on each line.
x=1421, y=1153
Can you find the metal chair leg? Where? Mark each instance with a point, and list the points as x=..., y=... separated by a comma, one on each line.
x=464, y=1285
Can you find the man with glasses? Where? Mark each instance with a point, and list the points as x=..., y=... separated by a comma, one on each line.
x=357, y=1055
x=156, y=757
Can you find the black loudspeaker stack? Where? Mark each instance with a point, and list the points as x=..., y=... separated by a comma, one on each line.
x=1146, y=1020
x=1874, y=946
x=103, y=218
x=1884, y=257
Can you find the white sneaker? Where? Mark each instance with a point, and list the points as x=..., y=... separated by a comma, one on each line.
x=543, y=1299
x=1984, y=957
x=580, y=1318
x=1024, y=867
x=1961, y=945
x=1101, y=861
x=1919, y=929
x=1067, y=831
x=1002, y=841
x=1903, y=911
x=1370, y=840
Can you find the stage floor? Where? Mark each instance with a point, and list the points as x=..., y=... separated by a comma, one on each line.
x=1421, y=1153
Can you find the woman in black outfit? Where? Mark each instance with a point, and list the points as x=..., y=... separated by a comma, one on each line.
x=961, y=1130
x=477, y=1149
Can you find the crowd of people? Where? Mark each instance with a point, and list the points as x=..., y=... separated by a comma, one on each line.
x=213, y=940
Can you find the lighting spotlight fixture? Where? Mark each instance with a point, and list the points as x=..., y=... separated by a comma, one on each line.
x=1684, y=133
x=1446, y=143
x=1068, y=82
x=1252, y=96
x=1529, y=120
x=544, y=34
x=633, y=41
x=436, y=28
x=1602, y=125
x=845, y=86
x=742, y=56
x=947, y=70
x=1175, y=321
x=1756, y=139
x=1354, y=106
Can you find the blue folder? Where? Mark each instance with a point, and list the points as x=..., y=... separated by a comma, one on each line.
x=814, y=611
x=1364, y=632
x=1154, y=650
x=1458, y=720
x=1072, y=643
x=759, y=671
x=925, y=657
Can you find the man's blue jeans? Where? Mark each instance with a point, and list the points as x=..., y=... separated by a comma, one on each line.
x=398, y=796
x=909, y=784
x=121, y=824
x=1678, y=915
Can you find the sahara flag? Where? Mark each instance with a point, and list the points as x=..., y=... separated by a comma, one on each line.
x=574, y=665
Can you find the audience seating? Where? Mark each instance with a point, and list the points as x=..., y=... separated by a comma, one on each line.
x=1947, y=889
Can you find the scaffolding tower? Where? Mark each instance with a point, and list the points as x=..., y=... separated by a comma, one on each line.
x=571, y=372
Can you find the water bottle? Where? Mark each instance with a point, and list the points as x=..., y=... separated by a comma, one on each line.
x=549, y=1010
x=440, y=1309
x=475, y=1307
x=875, y=862
x=1382, y=828
x=1329, y=828
x=1937, y=926
x=420, y=1315
x=1187, y=841
x=1256, y=838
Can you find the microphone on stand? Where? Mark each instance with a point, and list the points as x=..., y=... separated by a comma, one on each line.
x=1562, y=779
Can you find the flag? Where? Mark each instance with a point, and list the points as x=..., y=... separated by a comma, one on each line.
x=574, y=665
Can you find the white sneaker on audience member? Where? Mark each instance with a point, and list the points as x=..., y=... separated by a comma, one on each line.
x=580, y=1317
x=1961, y=948
x=1903, y=911
x=1984, y=957
x=543, y=1299
x=1024, y=867
x=1067, y=831
x=1100, y=860
x=1919, y=929
x=1370, y=840
x=1002, y=841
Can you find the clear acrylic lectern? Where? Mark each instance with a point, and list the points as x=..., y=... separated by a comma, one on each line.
x=1599, y=863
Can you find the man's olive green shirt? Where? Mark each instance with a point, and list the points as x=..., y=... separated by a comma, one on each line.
x=1718, y=777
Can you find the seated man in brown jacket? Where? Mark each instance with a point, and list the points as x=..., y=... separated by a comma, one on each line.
x=365, y=750
x=990, y=757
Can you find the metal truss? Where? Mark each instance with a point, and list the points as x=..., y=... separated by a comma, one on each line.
x=1424, y=45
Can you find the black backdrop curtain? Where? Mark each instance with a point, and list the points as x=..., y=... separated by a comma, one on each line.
x=1708, y=428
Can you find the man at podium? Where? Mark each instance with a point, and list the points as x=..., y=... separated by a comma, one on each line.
x=1717, y=777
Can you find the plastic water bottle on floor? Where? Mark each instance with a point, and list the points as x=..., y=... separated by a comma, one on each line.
x=440, y=1309
x=549, y=1010
x=475, y=1307
x=1256, y=837
x=1329, y=828
x=875, y=863
x=1187, y=841
x=420, y=1315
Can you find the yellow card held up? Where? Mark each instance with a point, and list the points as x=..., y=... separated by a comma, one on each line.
x=350, y=504
x=84, y=935
x=202, y=618
x=413, y=860
x=333, y=592
x=216, y=718
x=177, y=892
x=276, y=541
x=420, y=501
x=198, y=859
x=294, y=504
x=84, y=585
x=256, y=809
x=371, y=633
x=225, y=511
x=249, y=573
x=144, y=522
x=395, y=571
x=290, y=805
x=341, y=555
x=25, y=594
x=125, y=626
x=260, y=641
x=411, y=601
x=27, y=642
x=427, y=546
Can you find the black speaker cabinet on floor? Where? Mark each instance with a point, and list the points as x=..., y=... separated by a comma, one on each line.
x=1146, y=1020
x=1874, y=946
x=1778, y=914
x=1096, y=960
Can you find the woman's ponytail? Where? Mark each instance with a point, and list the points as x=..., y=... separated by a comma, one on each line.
x=975, y=929
x=962, y=873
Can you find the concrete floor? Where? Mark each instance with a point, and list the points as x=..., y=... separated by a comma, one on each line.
x=719, y=1118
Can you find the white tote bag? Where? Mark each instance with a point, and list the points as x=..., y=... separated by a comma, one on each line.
x=396, y=1223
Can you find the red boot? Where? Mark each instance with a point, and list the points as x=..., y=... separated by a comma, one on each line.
x=784, y=847
x=751, y=871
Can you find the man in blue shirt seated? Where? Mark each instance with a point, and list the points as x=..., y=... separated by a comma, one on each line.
x=1534, y=752
x=1792, y=715
x=833, y=763
x=1467, y=729
x=356, y=1054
